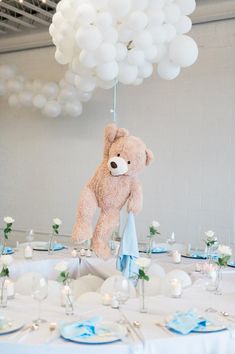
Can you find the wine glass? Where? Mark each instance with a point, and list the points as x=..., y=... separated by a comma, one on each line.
x=39, y=293
x=30, y=236
x=121, y=289
x=171, y=240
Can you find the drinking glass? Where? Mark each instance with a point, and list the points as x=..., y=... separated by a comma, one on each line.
x=171, y=241
x=121, y=289
x=39, y=293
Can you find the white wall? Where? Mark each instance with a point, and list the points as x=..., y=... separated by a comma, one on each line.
x=189, y=124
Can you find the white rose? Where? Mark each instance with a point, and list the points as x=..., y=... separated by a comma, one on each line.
x=6, y=260
x=143, y=262
x=57, y=221
x=224, y=250
x=8, y=220
x=61, y=267
x=155, y=224
x=209, y=233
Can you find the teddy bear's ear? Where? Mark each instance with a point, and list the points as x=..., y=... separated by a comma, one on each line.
x=111, y=132
x=122, y=132
x=149, y=157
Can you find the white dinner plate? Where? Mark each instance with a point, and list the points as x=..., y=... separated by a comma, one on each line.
x=11, y=326
x=116, y=333
x=210, y=327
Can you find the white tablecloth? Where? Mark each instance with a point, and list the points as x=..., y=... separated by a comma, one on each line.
x=156, y=340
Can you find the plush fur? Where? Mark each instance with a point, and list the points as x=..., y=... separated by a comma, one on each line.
x=110, y=190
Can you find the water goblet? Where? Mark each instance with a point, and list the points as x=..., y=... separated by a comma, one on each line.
x=121, y=289
x=39, y=293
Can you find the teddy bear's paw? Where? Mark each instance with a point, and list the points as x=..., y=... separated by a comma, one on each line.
x=81, y=233
x=101, y=250
x=133, y=207
x=111, y=132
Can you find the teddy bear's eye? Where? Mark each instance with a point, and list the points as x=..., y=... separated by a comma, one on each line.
x=128, y=162
x=118, y=155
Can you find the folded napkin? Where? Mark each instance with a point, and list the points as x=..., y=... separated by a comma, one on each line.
x=8, y=250
x=57, y=246
x=128, y=251
x=159, y=249
x=80, y=329
x=186, y=322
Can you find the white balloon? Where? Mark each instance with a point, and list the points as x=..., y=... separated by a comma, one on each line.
x=125, y=34
x=50, y=89
x=25, y=98
x=106, y=85
x=85, y=96
x=61, y=57
x=3, y=89
x=70, y=77
x=127, y=73
x=121, y=51
x=161, y=53
x=151, y=53
x=155, y=5
x=88, y=37
x=119, y=8
x=107, y=71
x=167, y=70
x=135, y=57
x=87, y=58
x=184, y=25
x=7, y=71
x=158, y=33
x=156, y=17
x=67, y=93
x=172, y=13
x=137, y=21
x=13, y=100
x=140, y=5
x=104, y=20
x=186, y=6
x=14, y=85
x=183, y=51
x=66, y=9
x=52, y=109
x=57, y=19
x=74, y=109
x=86, y=84
x=170, y=31
x=145, y=70
x=52, y=30
x=138, y=81
x=143, y=40
x=39, y=101
x=85, y=14
x=99, y=4
x=110, y=35
x=106, y=52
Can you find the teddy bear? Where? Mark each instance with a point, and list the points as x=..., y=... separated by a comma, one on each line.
x=114, y=184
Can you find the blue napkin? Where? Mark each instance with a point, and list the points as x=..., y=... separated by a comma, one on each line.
x=159, y=250
x=128, y=252
x=8, y=250
x=80, y=329
x=57, y=246
x=186, y=322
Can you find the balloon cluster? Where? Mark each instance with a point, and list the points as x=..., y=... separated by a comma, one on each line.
x=51, y=98
x=110, y=41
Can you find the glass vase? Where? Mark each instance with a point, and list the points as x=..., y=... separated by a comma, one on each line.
x=2, y=244
x=150, y=246
x=3, y=292
x=218, y=290
x=51, y=243
x=68, y=300
x=208, y=253
x=143, y=308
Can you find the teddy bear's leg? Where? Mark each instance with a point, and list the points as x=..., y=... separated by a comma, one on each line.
x=82, y=230
x=104, y=228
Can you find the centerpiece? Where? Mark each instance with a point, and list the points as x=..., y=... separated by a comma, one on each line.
x=6, y=231
x=5, y=262
x=66, y=291
x=210, y=241
x=55, y=231
x=143, y=264
x=225, y=254
x=153, y=232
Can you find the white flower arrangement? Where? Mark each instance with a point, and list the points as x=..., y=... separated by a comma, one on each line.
x=225, y=252
x=56, y=224
x=62, y=268
x=5, y=262
x=153, y=228
x=9, y=222
x=143, y=263
x=211, y=240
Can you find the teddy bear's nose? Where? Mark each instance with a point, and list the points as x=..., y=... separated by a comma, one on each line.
x=113, y=164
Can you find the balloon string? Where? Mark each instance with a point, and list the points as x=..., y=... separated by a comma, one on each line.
x=114, y=109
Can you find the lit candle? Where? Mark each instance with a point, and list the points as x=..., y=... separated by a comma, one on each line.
x=198, y=267
x=10, y=288
x=88, y=253
x=82, y=252
x=28, y=252
x=175, y=288
x=74, y=253
x=106, y=299
x=176, y=257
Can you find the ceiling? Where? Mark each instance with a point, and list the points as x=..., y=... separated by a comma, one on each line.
x=24, y=23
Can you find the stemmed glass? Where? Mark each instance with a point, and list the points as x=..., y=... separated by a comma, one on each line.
x=121, y=289
x=171, y=240
x=39, y=293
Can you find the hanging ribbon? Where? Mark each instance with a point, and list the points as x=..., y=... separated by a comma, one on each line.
x=114, y=109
